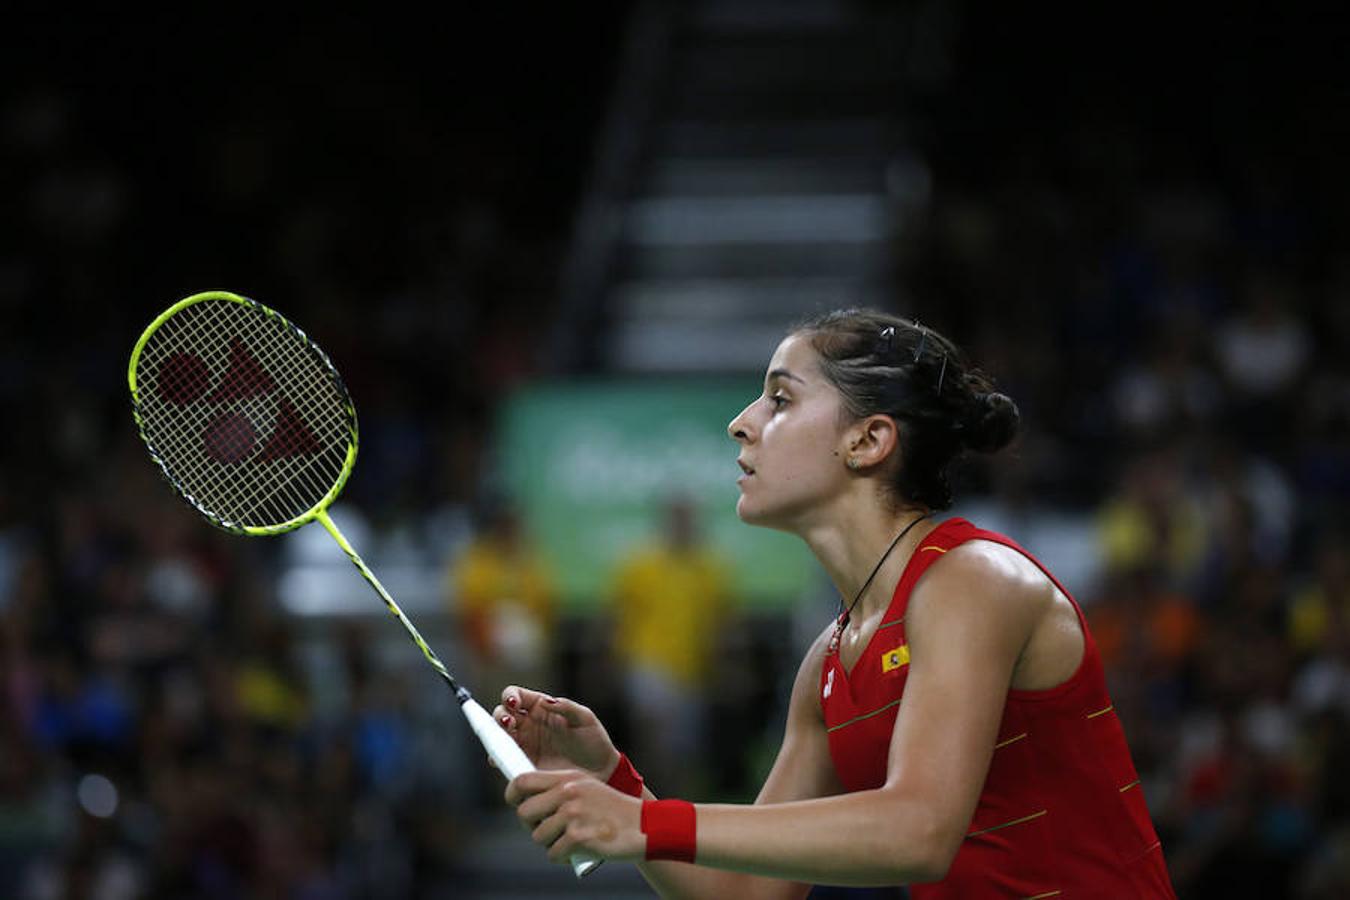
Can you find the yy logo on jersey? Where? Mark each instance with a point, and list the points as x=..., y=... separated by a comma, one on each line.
x=241, y=396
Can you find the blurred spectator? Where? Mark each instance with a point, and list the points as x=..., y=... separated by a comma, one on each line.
x=1319, y=614
x=504, y=595
x=1264, y=348
x=672, y=604
x=1263, y=351
x=1153, y=519
x=1169, y=390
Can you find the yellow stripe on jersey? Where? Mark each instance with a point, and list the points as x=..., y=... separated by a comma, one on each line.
x=1035, y=815
x=867, y=715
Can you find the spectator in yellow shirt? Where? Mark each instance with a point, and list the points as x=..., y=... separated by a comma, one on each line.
x=504, y=597
x=670, y=602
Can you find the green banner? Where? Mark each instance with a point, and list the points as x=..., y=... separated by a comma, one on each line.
x=592, y=465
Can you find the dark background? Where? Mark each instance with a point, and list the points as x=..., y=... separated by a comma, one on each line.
x=1116, y=194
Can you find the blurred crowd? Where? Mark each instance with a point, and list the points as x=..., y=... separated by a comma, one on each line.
x=1170, y=308
x=408, y=190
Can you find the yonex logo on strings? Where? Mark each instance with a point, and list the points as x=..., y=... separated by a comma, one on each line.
x=230, y=436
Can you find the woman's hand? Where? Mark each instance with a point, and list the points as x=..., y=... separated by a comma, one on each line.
x=569, y=812
x=556, y=733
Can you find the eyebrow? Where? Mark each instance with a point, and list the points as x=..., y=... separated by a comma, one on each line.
x=783, y=373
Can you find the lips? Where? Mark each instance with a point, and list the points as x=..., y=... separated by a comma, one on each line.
x=745, y=467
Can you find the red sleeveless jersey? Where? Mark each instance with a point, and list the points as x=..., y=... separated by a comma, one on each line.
x=1061, y=813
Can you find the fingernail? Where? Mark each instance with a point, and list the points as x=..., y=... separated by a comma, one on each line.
x=506, y=720
x=551, y=700
x=511, y=701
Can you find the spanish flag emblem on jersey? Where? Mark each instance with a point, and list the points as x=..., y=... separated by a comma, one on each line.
x=894, y=659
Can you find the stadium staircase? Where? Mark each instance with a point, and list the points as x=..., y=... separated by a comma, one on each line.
x=753, y=170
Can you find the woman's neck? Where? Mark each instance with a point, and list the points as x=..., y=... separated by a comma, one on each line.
x=851, y=546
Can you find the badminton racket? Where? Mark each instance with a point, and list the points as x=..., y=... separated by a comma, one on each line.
x=250, y=423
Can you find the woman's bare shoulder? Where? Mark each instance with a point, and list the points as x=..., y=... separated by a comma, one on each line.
x=985, y=578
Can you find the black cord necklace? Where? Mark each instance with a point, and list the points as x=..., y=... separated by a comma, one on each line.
x=844, y=617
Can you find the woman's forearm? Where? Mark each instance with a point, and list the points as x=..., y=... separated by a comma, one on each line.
x=682, y=881
x=868, y=838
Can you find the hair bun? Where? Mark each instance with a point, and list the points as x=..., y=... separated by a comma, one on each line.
x=991, y=422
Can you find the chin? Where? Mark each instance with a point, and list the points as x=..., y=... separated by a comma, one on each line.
x=746, y=512
x=760, y=518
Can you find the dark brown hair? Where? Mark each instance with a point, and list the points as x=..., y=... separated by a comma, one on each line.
x=883, y=364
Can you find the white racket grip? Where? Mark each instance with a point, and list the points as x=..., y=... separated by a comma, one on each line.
x=512, y=761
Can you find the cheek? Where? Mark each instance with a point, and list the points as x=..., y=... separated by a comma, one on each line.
x=805, y=459
x=804, y=444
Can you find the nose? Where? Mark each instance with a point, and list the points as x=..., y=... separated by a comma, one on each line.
x=739, y=427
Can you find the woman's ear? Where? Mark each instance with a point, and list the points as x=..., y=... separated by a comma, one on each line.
x=871, y=442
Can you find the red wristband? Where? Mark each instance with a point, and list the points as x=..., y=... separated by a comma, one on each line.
x=671, y=829
x=626, y=778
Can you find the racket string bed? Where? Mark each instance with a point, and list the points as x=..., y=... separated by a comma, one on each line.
x=246, y=487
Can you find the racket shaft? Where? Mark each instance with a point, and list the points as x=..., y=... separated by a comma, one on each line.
x=505, y=753
x=374, y=582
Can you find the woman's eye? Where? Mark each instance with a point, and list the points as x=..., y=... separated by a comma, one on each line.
x=778, y=401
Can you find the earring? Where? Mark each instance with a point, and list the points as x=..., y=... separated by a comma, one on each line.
x=853, y=463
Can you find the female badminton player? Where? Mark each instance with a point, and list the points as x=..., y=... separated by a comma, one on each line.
x=951, y=730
